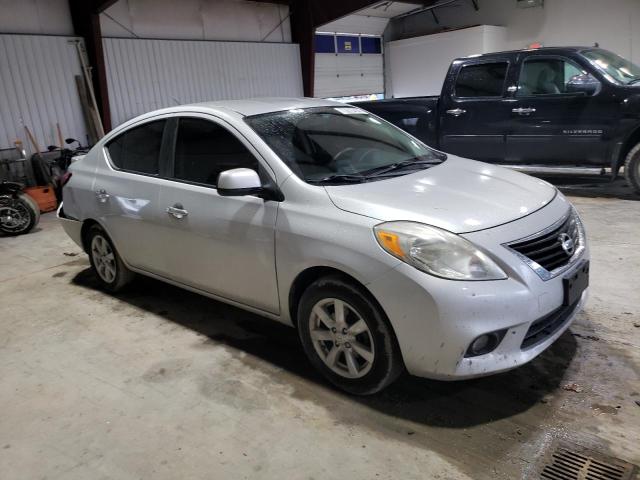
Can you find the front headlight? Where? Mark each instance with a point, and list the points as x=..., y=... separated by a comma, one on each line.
x=436, y=251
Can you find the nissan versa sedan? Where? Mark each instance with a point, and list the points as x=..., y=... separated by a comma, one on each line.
x=383, y=253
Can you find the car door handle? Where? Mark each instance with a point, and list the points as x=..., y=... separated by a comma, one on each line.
x=523, y=111
x=456, y=112
x=177, y=211
x=102, y=195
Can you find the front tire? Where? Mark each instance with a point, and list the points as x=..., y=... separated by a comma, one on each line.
x=632, y=168
x=347, y=336
x=109, y=268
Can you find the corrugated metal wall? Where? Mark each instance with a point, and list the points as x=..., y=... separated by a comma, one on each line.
x=37, y=89
x=144, y=75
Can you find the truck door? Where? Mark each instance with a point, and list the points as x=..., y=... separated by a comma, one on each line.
x=474, y=112
x=559, y=114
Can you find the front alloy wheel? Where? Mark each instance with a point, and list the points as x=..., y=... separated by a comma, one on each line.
x=347, y=336
x=341, y=338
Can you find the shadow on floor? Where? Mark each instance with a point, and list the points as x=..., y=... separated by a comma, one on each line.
x=591, y=186
x=427, y=402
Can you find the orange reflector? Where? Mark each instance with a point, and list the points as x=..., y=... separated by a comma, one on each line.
x=391, y=242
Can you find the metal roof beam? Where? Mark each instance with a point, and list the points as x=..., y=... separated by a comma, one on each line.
x=85, y=17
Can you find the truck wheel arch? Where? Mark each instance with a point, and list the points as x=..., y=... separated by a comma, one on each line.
x=631, y=141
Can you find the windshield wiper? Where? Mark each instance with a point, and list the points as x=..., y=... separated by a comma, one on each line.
x=394, y=167
x=634, y=81
x=339, y=178
x=362, y=177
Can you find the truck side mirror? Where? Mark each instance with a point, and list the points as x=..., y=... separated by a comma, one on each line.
x=586, y=84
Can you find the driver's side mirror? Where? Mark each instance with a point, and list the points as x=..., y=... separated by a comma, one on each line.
x=239, y=182
x=586, y=84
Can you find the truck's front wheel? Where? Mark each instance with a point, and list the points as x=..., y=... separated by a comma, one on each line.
x=632, y=168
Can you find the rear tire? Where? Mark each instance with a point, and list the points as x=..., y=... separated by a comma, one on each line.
x=347, y=336
x=34, y=205
x=109, y=268
x=632, y=168
x=22, y=214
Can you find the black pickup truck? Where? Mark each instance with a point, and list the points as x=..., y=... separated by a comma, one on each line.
x=570, y=106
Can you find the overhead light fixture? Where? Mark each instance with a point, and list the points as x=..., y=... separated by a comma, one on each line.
x=529, y=3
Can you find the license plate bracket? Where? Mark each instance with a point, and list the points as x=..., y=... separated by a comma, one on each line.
x=576, y=283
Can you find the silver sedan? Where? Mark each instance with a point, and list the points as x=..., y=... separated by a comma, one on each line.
x=385, y=254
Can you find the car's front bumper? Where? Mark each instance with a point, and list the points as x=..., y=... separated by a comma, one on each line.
x=436, y=320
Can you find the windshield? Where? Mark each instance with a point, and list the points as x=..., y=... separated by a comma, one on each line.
x=332, y=145
x=614, y=67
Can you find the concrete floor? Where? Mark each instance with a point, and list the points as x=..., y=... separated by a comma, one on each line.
x=164, y=384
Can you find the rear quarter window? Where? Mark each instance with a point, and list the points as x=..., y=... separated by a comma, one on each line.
x=138, y=149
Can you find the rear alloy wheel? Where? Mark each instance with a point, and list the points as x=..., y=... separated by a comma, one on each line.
x=347, y=337
x=632, y=168
x=112, y=273
x=103, y=258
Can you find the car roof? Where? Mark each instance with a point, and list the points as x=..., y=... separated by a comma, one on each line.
x=238, y=108
x=257, y=106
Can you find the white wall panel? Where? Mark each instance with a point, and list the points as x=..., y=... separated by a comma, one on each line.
x=145, y=75
x=348, y=74
x=611, y=23
x=37, y=89
x=417, y=66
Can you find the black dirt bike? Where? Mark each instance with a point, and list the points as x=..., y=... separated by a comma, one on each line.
x=19, y=213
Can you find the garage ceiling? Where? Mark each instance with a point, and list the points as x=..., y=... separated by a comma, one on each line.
x=371, y=20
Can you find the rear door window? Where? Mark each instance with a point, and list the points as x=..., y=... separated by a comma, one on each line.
x=481, y=80
x=138, y=150
x=204, y=149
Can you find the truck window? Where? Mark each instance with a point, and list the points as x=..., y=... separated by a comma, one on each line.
x=481, y=80
x=546, y=76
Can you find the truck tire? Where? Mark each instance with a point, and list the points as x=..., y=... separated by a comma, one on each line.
x=632, y=168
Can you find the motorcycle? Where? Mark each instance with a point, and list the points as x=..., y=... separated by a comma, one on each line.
x=19, y=213
x=51, y=167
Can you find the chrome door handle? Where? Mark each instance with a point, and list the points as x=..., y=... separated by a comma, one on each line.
x=102, y=195
x=523, y=111
x=177, y=211
x=456, y=112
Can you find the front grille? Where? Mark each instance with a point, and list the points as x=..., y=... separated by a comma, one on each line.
x=546, y=249
x=546, y=326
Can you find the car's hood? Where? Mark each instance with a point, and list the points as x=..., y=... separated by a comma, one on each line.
x=460, y=196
